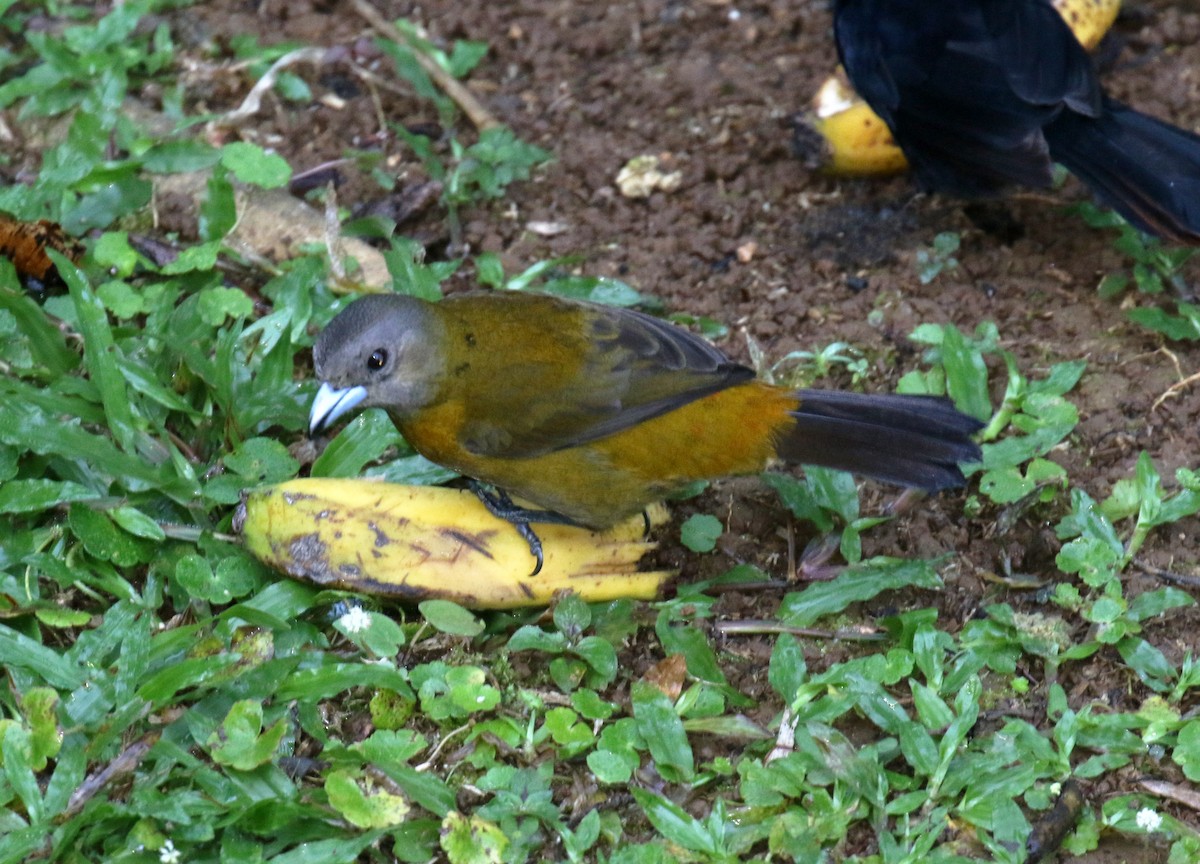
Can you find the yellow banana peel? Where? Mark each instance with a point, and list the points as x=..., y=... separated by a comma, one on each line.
x=1089, y=20
x=852, y=140
x=421, y=542
x=843, y=136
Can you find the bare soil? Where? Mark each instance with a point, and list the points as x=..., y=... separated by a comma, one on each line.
x=711, y=87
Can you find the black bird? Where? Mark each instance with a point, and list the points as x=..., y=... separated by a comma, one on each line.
x=985, y=94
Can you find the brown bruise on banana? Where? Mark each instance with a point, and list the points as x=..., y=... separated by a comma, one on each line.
x=307, y=557
x=473, y=542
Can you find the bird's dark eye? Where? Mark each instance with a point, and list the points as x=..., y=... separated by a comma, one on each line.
x=377, y=360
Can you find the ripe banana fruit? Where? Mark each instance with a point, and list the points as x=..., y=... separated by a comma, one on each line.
x=841, y=135
x=1089, y=20
x=421, y=542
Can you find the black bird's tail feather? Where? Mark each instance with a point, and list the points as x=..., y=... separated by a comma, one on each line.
x=908, y=440
x=1145, y=169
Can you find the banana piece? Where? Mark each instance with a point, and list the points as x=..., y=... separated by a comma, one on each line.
x=421, y=542
x=851, y=140
x=1089, y=20
x=841, y=135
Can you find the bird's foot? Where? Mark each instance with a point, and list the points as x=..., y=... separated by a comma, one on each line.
x=502, y=507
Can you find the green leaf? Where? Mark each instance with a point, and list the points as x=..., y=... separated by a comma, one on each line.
x=572, y=616
x=103, y=539
x=611, y=767
x=137, y=523
x=120, y=299
x=411, y=470
x=700, y=532
x=243, y=744
x=113, y=251
x=262, y=460
x=193, y=259
x=674, y=823
x=180, y=156
x=532, y=638
x=596, y=289
x=195, y=575
x=410, y=275
x=788, y=669
x=448, y=617
x=797, y=495
x=100, y=353
x=16, y=747
x=218, y=304
x=601, y=656
x=364, y=439
x=118, y=194
x=854, y=585
x=428, y=790
x=46, y=342
x=38, y=705
x=737, y=726
x=374, y=632
x=251, y=164
x=1150, y=664
x=1185, y=325
x=339, y=850
x=1187, y=750
x=472, y=840
x=1150, y=604
x=663, y=732
x=966, y=374
x=34, y=496
x=690, y=641
x=218, y=211
x=589, y=704
x=362, y=803
x=21, y=652
x=332, y=677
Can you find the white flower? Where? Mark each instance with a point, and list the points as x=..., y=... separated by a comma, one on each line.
x=1148, y=820
x=168, y=854
x=356, y=620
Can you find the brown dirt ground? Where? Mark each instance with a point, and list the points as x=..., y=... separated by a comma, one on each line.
x=711, y=87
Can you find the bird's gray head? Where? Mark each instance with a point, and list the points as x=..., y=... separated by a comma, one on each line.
x=382, y=349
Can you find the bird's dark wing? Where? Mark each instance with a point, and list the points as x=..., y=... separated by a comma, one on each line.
x=596, y=371
x=966, y=86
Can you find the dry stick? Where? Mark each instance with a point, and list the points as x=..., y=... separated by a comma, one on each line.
x=480, y=116
x=1175, y=388
x=1183, y=794
x=125, y=763
x=1169, y=575
x=333, y=234
x=755, y=627
x=253, y=100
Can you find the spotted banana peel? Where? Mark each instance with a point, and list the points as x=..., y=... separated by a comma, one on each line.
x=841, y=135
x=421, y=542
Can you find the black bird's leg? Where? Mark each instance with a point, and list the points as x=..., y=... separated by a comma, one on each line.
x=502, y=507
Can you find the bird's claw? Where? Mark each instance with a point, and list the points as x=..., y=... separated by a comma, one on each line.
x=535, y=544
x=502, y=507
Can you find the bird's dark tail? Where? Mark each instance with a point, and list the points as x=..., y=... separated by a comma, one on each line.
x=909, y=440
x=1145, y=169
